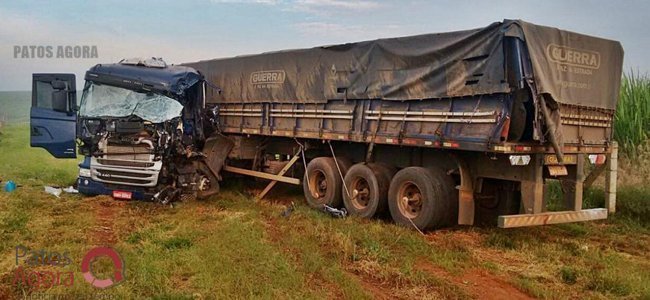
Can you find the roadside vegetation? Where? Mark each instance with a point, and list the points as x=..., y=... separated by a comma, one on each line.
x=632, y=121
x=234, y=246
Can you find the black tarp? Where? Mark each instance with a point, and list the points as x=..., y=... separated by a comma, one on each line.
x=572, y=68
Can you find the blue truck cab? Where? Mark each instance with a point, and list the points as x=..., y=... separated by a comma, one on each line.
x=139, y=126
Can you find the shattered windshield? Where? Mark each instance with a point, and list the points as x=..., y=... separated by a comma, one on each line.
x=100, y=100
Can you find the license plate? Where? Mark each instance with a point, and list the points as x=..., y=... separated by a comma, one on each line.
x=122, y=195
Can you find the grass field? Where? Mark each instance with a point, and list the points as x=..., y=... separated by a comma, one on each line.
x=233, y=246
x=14, y=106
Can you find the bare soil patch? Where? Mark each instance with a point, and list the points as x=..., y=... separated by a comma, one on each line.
x=478, y=283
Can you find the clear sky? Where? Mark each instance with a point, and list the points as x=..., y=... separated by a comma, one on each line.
x=183, y=31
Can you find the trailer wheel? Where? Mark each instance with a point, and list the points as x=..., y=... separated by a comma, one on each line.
x=367, y=185
x=420, y=197
x=449, y=196
x=322, y=183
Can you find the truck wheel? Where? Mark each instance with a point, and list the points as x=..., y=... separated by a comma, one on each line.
x=418, y=196
x=207, y=184
x=367, y=185
x=449, y=196
x=344, y=164
x=322, y=183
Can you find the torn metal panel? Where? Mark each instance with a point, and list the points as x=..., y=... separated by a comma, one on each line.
x=216, y=151
x=171, y=81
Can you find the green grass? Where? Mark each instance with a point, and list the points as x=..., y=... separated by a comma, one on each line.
x=632, y=120
x=632, y=207
x=14, y=106
x=231, y=246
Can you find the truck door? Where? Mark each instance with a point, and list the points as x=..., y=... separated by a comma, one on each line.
x=53, y=115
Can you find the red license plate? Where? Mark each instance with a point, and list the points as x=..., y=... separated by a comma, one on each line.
x=122, y=195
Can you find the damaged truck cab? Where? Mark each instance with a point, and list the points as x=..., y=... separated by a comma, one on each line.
x=140, y=127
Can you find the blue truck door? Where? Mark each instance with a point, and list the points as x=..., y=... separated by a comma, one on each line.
x=53, y=115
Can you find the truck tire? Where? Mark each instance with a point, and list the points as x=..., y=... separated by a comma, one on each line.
x=420, y=197
x=368, y=188
x=322, y=183
x=208, y=184
x=450, y=195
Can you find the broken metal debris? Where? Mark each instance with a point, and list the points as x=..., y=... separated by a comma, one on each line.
x=287, y=212
x=334, y=212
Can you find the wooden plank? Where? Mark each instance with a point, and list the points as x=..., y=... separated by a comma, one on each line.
x=595, y=173
x=263, y=175
x=284, y=170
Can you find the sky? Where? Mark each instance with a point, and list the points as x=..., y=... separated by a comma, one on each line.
x=185, y=31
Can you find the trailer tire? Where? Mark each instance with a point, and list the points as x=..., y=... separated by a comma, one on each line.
x=418, y=196
x=345, y=164
x=449, y=196
x=322, y=183
x=368, y=188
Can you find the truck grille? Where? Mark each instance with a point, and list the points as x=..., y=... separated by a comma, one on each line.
x=127, y=165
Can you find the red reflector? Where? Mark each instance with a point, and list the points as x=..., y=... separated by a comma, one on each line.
x=450, y=144
x=122, y=195
x=410, y=141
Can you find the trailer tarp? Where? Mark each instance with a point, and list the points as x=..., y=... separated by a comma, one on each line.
x=572, y=68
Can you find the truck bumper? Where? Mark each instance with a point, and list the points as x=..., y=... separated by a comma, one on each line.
x=556, y=217
x=88, y=186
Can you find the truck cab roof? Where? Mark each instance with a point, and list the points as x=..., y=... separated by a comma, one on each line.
x=169, y=80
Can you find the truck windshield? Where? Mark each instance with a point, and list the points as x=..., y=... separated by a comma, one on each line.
x=100, y=100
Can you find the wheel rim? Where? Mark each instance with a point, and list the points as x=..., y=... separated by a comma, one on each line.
x=360, y=190
x=204, y=184
x=317, y=184
x=409, y=200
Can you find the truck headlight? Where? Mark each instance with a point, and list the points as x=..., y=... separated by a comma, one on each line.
x=83, y=172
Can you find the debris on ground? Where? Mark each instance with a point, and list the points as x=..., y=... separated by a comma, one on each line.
x=287, y=212
x=71, y=190
x=167, y=195
x=334, y=212
x=54, y=191
x=10, y=186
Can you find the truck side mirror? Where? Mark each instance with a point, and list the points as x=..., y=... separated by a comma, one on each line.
x=60, y=100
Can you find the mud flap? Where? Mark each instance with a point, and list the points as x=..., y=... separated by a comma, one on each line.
x=216, y=150
x=466, y=205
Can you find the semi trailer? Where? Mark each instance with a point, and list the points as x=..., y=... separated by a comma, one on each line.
x=432, y=130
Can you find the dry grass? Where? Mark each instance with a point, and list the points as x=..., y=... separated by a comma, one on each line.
x=231, y=246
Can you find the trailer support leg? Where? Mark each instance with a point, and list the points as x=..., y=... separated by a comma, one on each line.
x=465, y=196
x=573, y=185
x=610, y=179
x=532, y=188
x=281, y=173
